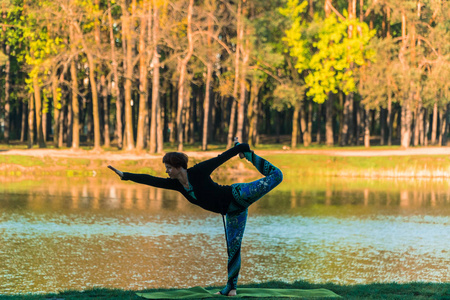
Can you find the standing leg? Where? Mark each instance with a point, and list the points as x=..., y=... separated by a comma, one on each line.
x=244, y=194
x=235, y=226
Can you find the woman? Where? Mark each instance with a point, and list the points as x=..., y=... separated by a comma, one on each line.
x=233, y=200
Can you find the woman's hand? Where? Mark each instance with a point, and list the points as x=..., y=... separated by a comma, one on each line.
x=120, y=173
x=236, y=142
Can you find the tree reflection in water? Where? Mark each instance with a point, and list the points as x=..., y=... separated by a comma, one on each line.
x=77, y=233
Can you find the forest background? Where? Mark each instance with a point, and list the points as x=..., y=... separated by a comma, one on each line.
x=136, y=74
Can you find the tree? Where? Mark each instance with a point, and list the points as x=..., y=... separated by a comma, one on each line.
x=115, y=81
x=156, y=139
x=183, y=73
x=128, y=36
x=143, y=73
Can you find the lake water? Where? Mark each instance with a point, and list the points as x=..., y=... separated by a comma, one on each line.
x=78, y=233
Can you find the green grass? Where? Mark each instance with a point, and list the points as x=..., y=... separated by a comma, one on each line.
x=293, y=165
x=414, y=290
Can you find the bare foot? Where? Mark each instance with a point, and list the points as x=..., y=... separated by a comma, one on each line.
x=230, y=293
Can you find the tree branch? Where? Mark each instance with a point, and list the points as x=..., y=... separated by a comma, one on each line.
x=9, y=25
x=216, y=39
x=267, y=72
x=369, y=10
x=428, y=43
x=336, y=12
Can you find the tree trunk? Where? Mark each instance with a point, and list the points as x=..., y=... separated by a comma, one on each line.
x=68, y=121
x=434, y=123
x=143, y=82
x=38, y=108
x=61, y=119
x=329, y=120
x=311, y=9
x=382, y=126
x=75, y=108
x=214, y=116
x=239, y=33
x=153, y=28
x=183, y=73
x=97, y=38
x=348, y=101
x=206, y=105
x=389, y=114
x=104, y=89
x=405, y=135
x=366, y=127
x=442, y=129
x=7, y=107
x=421, y=126
x=93, y=83
x=207, y=100
x=44, y=109
x=31, y=120
x=303, y=124
x=241, y=104
x=128, y=48
x=187, y=121
x=309, y=123
x=95, y=108
x=115, y=85
x=359, y=114
x=56, y=110
x=159, y=128
x=345, y=120
x=155, y=111
x=252, y=112
x=243, y=92
x=426, y=126
x=173, y=116
x=418, y=124
x=295, y=120
x=23, y=121
x=319, y=124
x=406, y=122
x=180, y=109
x=232, y=123
x=327, y=8
x=445, y=126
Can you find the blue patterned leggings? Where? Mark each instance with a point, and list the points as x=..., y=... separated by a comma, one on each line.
x=244, y=195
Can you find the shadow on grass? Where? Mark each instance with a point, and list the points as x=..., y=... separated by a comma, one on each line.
x=414, y=290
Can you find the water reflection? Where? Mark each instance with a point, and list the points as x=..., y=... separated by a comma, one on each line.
x=77, y=233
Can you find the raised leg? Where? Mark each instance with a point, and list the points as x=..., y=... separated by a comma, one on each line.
x=245, y=194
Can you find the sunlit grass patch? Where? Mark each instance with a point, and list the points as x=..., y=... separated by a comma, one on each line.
x=414, y=290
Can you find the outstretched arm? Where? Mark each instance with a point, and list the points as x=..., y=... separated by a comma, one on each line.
x=120, y=173
x=159, y=182
x=211, y=164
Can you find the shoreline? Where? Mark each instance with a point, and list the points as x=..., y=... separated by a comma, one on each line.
x=424, y=162
x=382, y=290
x=135, y=155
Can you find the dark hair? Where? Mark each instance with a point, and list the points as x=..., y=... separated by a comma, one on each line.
x=176, y=159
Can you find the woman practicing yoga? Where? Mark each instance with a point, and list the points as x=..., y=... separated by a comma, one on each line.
x=233, y=200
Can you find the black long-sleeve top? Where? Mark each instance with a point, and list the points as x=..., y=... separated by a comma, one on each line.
x=208, y=194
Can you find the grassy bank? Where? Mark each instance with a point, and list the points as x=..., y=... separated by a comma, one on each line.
x=292, y=164
x=364, y=167
x=369, y=291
